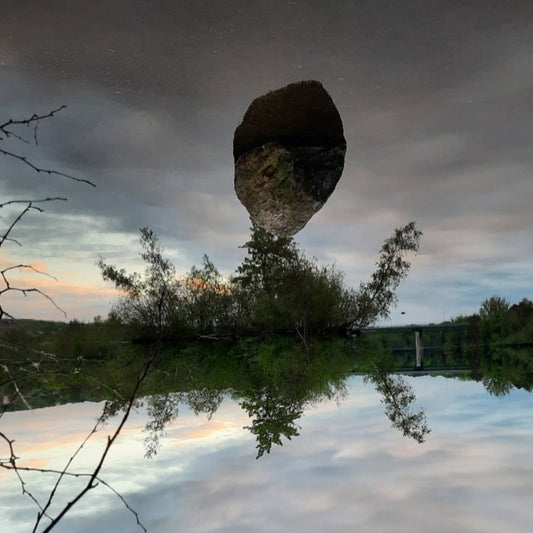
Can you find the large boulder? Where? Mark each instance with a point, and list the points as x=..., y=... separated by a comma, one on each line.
x=289, y=155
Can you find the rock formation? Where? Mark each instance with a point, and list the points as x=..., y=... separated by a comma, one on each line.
x=289, y=155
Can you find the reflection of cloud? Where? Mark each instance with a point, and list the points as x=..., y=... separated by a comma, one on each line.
x=206, y=431
x=347, y=471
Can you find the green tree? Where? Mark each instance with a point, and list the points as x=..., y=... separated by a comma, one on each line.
x=149, y=305
x=207, y=300
x=521, y=321
x=283, y=290
x=494, y=319
x=273, y=417
x=375, y=298
x=267, y=257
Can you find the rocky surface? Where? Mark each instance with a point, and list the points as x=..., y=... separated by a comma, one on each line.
x=289, y=155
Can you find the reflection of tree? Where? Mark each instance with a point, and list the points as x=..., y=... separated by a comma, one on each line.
x=505, y=367
x=164, y=408
x=398, y=398
x=273, y=417
x=497, y=385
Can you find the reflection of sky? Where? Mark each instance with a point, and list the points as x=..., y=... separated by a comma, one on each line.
x=348, y=471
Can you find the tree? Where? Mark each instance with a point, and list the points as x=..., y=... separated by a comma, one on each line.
x=494, y=319
x=267, y=257
x=375, y=298
x=285, y=290
x=149, y=304
x=207, y=300
x=493, y=308
x=273, y=417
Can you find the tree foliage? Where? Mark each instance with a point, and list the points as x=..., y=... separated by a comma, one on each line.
x=398, y=397
x=276, y=289
x=290, y=291
x=148, y=302
x=376, y=297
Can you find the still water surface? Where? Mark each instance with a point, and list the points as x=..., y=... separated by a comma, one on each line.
x=347, y=471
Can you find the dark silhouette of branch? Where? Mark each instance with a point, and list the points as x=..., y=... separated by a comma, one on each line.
x=32, y=367
x=30, y=204
x=10, y=464
x=93, y=479
x=41, y=170
x=19, y=392
x=6, y=132
x=9, y=288
x=34, y=121
x=4, y=128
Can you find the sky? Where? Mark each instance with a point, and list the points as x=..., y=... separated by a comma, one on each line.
x=436, y=100
x=474, y=472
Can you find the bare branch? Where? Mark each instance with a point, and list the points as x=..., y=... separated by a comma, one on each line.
x=40, y=170
x=34, y=121
x=9, y=288
x=92, y=483
x=19, y=392
x=4, y=237
x=62, y=474
x=10, y=464
x=27, y=121
x=33, y=201
x=30, y=205
x=40, y=366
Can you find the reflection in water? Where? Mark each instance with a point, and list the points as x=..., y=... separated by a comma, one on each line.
x=274, y=382
x=346, y=471
x=273, y=417
x=398, y=397
x=503, y=368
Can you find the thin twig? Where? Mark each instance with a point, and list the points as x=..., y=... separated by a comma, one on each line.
x=40, y=170
x=27, y=121
x=7, y=371
x=110, y=440
x=33, y=201
x=8, y=465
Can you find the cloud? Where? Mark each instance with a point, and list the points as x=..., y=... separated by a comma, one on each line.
x=359, y=473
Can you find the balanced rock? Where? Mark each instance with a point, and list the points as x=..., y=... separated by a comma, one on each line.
x=289, y=155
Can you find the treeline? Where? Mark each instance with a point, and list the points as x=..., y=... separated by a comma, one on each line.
x=275, y=290
x=495, y=345
x=497, y=323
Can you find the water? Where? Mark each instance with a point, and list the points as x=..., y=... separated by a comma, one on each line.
x=348, y=470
